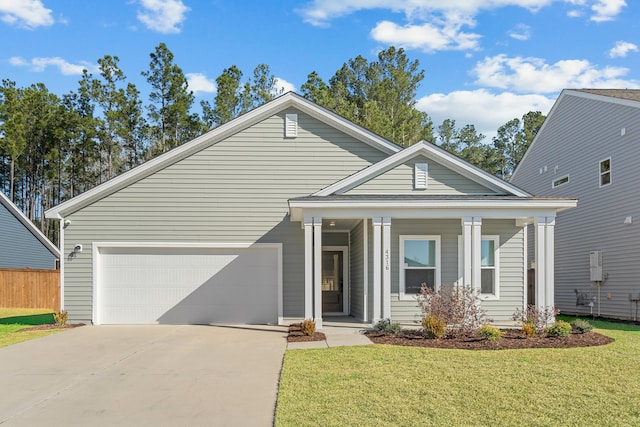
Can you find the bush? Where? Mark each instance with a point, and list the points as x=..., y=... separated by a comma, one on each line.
x=539, y=318
x=385, y=325
x=459, y=307
x=434, y=327
x=60, y=317
x=581, y=326
x=489, y=332
x=529, y=329
x=308, y=327
x=559, y=329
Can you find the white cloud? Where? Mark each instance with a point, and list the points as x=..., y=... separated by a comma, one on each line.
x=485, y=110
x=284, y=85
x=607, y=10
x=39, y=65
x=520, y=32
x=25, y=13
x=199, y=83
x=427, y=37
x=622, y=48
x=164, y=16
x=533, y=75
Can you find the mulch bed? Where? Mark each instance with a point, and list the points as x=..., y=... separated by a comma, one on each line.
x=296, y=335
x=512, y=339
x=49, y=326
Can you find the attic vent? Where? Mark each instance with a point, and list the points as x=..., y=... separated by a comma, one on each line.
x=420, y=176
x=291, y=126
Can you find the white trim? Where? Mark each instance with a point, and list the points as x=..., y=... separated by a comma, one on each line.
x=30, y=226
x=96, y=263
x=525, y=269
x=556, y=182
x=317, y=272
x=62, y=263
x=431, y=151
x=402, y=295
x=600, y=173
x=377, y=268
x=346, y=286
x=365, y=273
x=386, y=268
x=476, y=253
x=308, y=268
x=288, y=100
x=420, y=176
x=496, y=267
x=465, y=256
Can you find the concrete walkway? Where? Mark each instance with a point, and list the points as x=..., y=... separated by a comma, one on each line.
x=143, y=376
x=338, y=335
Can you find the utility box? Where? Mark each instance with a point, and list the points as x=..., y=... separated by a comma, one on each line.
x=595, y=266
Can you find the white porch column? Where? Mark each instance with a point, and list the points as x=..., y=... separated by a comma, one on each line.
x=466, y=251
x=476, y=252
x=365, y=270
x=539, y=224
x=549, y=249
x=377, y=269
x=308, y=268
x=386, y=268
x=317, y=272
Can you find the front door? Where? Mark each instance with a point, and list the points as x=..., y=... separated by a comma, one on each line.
x=333, y=281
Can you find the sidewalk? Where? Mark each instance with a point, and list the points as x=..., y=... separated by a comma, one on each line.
x=338, y=335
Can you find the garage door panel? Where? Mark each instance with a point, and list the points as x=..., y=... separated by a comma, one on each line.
x=188, y=286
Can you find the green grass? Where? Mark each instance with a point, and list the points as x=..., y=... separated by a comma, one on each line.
x=404, y=386
x=14, y=319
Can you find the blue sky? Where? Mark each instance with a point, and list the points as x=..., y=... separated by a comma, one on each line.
x=486, y=61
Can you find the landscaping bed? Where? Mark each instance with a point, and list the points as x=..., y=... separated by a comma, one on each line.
x=511, y=339
x=296, y=335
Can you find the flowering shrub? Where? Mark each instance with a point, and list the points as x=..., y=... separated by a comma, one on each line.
x=540, y=318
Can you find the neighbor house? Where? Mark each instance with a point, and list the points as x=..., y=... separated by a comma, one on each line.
x=22, y=244
x=292, y=212
x=589, y=148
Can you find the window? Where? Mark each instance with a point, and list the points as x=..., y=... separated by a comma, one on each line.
x=489, y=256
x=420, y=176
x=605, y=172
x=419, y=263
x=558, y=182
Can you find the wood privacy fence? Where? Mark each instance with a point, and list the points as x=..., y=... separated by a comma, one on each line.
x=27, y=288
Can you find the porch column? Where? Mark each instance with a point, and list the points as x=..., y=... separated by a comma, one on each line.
x=540, y=224
x=377, y=269
x=386, y=268
x=308, y=268
x=550, y=258
x=317, y=272
x=466, y=251
x=476, y=252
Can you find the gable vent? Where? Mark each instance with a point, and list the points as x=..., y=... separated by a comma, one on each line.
x=291, y=126
x=420, y=176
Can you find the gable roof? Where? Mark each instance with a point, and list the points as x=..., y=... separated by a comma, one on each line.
x=627, y=97
x=431, y=151
x=20, y=216
x=288, y=100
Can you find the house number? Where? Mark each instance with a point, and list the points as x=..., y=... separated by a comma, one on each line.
x=386, y=259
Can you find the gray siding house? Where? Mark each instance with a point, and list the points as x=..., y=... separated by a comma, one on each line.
x=291, y=212
x=22, y=245
x=588, y=148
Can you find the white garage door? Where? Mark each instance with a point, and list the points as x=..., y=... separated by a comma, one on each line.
x=187, y=285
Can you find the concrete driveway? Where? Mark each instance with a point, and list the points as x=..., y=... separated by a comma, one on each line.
x=143, y=376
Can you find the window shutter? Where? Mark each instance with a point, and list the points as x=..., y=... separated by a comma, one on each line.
x=420, y=176
x=291, y=126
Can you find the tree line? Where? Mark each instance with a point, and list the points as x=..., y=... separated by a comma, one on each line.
x=54, y=147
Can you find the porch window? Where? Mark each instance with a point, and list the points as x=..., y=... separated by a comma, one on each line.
x=489, y=257
x=419, y=263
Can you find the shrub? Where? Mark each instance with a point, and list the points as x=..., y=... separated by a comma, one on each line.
x=385, y=325
x=434, y=327
x=459, y=307
x=60, y=317
x=581, y=326
x=529, y=329
x=308, y=327
x=489, y=332
x=559, y=329
x=539, y=318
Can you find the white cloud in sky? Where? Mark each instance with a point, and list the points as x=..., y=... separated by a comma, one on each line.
x=485, y=110
x=520, y=32
x=163, y=16
x=622, y=49
x=531, y=75
x=199, y=83
x=38, y=65
x=607, y=10
x=284, y=85
x=27, y=14
x=427, y=37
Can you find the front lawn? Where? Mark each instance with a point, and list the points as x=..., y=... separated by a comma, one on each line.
x=12, y=320
x=406, y=386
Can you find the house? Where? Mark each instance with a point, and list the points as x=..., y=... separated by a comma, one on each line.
x=292, y=212
x=22, y=245
x=588, y=148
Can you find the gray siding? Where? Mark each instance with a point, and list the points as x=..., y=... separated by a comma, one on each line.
x=19, y=248
x=399, y=180
x=234, y=191
x=577, y=136
x=356, y=264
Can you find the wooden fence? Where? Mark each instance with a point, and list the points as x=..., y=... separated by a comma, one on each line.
x=27, y=288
